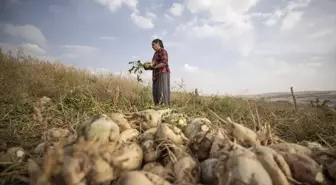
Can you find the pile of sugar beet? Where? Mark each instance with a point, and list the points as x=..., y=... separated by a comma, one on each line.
x=161, y=147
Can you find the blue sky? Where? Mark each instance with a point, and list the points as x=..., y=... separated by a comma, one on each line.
x=218, y=46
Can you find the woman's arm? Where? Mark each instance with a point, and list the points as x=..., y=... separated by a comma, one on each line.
x=159, y=65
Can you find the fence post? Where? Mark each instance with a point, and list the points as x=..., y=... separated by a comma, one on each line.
x=294, y=99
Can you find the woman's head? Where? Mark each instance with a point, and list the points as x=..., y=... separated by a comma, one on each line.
x=157, y=44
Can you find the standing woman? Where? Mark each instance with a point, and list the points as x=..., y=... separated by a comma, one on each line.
x=161, y=74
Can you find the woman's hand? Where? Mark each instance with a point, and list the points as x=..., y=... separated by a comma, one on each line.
x=148, y=66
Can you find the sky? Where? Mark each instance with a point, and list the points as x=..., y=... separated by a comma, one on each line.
x=236, y=47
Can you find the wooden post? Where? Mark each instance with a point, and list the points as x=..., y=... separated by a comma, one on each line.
x=196, y=92
x=294, y=99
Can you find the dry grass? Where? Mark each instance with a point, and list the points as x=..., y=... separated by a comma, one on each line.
x=76, y=94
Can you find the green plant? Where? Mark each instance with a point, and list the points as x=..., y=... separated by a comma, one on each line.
x=137, y=67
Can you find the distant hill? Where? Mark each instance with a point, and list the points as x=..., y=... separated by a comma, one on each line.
x=302, y=97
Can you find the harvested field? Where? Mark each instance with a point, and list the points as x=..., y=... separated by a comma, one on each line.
x=61, y=125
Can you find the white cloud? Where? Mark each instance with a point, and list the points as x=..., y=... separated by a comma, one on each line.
x=317, y=58
x=274, y=17
x=156, y=5
x=322, y=33
x=198, y=5
x=185, y=26
x=176, y=9
x=190, y=68
x=296, y=4
x=151, y=15
x=291, y=20
x=135, y=57
x=259, y=74
x=113, y=5
x=277, y=59
x=270, y=22
x=108, y=38
x=229, y=11
x=174, y=44
x=239, y=37
x=28, y=49
x=160, y=35
x=80, y=48
x=205, y=80
x=206, y=31
x=143, y=22
x=33, y=49
x=168, y=17
x=75, y=51
x=281, y=73
x=314, y=64
x=228, y=21
x=28, y=32
x=290, y=6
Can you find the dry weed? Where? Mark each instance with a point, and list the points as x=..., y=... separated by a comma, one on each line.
x=76, y=95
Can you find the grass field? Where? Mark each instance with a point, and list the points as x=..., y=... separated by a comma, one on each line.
x=77, y=94
x=303, y=97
